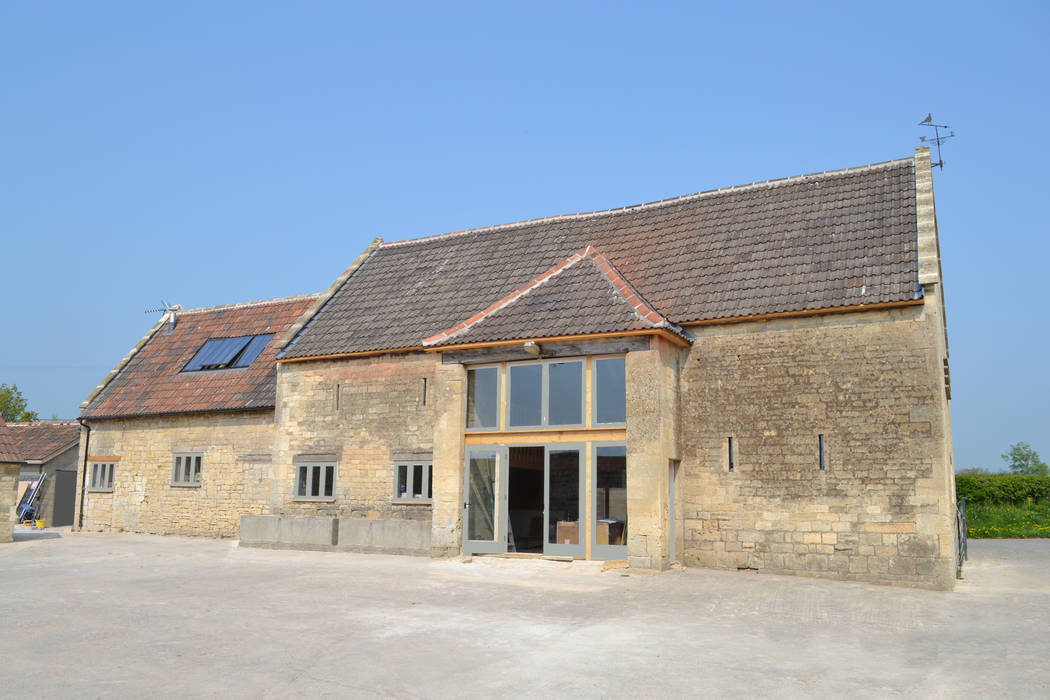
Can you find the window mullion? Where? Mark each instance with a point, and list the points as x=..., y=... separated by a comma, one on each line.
x=545, y=395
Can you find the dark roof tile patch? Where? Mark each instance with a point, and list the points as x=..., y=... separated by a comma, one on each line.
x=797, y=244
x=152, y=381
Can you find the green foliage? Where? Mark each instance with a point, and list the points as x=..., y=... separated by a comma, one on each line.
x=13, y=406
x=1022, y=459
x=1010, y=489
x=998, y=520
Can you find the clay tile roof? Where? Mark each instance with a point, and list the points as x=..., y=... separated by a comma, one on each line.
x=41, y=441
x=583, y=294
x=833, y=239
x=9, y=452
x=151, y=381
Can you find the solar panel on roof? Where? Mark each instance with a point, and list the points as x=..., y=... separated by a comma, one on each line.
x=252, y=350
x=217, y=353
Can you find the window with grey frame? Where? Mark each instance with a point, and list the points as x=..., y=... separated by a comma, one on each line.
x=545, y=394
x=101, y=476
x=186, y=469
x=315, y=480
x=483, y=399
x=413, y=481
x=609, y=381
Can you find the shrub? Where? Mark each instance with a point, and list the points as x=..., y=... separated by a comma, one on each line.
x=1013, y=489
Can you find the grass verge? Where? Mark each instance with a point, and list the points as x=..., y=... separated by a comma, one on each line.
x=990, y=520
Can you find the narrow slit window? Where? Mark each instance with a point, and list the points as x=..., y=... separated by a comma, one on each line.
x=424, y=391
x=820, y=443
x=732, y=461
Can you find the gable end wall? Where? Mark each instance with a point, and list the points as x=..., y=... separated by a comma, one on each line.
x=872, y=383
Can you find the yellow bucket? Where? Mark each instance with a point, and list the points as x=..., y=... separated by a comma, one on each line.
x=40, y=523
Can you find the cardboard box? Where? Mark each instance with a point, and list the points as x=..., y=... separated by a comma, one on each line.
x=568, y=532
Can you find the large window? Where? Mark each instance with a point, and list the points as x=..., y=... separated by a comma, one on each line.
x=186, y=470
x=314, y=480
x=548, y=393
x=101, y=476
x=412, y=481
x=610, y=391
x=483, y=398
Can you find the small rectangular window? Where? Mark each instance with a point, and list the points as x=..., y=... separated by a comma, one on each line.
x=483, y=398
x=186, y=470
x=412, y=481
x=732, y=459
x=101, y=476
x=314, y=481
x=820, y=444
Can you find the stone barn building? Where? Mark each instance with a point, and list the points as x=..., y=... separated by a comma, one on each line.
x=753, y=377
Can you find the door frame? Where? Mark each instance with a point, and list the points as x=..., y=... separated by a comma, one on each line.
x=498, y=545
x=565, y=550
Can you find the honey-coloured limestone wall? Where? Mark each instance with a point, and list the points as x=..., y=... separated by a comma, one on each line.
x=235, y=476
x=8, y=500
x=366, y=413
x=872, y=383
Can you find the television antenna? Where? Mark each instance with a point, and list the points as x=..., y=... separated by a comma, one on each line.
x=937, y=138
x=169, y=309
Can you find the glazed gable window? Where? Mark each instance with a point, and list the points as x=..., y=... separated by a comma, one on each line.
x=546, y=393
x=483, y=399
x=610, y=391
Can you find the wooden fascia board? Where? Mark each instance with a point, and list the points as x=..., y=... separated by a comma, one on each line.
x=660, y=332
x=343, y=355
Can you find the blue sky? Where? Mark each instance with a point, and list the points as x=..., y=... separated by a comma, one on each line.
x=206, y=153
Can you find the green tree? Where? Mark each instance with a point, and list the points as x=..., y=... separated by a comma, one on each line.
x=13, y=406
x=1022, y=459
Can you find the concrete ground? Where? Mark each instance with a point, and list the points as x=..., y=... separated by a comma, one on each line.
x=135, y=615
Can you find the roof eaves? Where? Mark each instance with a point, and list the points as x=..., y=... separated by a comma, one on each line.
x=291, y=335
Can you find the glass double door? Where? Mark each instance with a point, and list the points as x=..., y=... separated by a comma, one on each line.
x=524, y=499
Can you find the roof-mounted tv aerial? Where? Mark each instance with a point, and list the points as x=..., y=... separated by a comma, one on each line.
x=937, y=138
x=169, y=309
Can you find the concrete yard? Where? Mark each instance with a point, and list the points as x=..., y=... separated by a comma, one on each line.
x=92, y=615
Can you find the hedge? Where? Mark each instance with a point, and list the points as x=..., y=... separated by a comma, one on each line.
x=1013, y=489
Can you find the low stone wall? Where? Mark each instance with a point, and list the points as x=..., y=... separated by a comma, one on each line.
x=345, y=534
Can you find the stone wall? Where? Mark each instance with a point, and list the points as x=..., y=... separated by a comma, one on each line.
x=367, y=412
x=872, y=383
x=8, y=500
x=235, y=479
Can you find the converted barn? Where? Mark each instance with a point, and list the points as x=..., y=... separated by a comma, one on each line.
x=752, y=377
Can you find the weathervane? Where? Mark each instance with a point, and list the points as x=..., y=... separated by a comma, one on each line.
x=937, y=138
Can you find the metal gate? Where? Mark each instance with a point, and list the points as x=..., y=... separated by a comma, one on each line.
x=960, y=536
